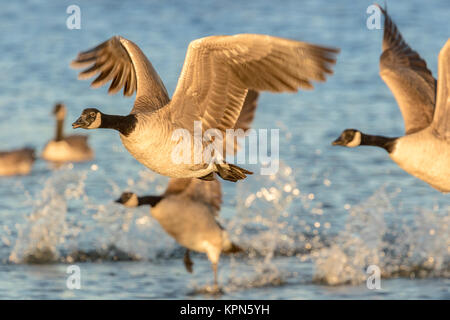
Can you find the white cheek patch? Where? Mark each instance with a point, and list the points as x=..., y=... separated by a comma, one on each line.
x=356, y=140
x=97, y=122
x=132, y=202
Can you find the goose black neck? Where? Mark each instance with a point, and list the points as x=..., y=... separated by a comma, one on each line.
x=124, y=124
x=378, y=141
x=149, y=200
x=59, y=129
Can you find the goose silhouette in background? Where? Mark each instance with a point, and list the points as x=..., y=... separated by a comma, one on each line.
x=187, y=211
x=217, y=73
x=16, y=162
x=424, y=150
x=73, y=148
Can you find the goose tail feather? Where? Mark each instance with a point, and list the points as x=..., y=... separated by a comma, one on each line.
x=232, y=248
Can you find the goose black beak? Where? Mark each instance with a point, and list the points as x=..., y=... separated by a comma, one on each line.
x=78, y=124
x=118, y=201
x=338, y=142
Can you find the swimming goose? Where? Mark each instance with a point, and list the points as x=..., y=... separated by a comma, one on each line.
x=216, y=75
x=424, y=151
x=16, y=162
x=187, y=211
x=73, y=148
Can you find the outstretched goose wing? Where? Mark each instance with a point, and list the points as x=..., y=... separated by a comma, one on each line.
x=441, y=120
x=121, y=61
x=177, y=186
x=209, y=192
x=407, y=76
x=244, y=122
x=247, y=114
x=218, y=71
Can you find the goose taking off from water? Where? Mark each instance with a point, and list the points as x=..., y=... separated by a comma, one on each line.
x=424, y=151
x=187, y=211
x=73, y=148
x=217, y=73
x=16, y=162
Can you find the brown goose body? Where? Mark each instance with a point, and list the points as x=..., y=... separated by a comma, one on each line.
x=16, y=162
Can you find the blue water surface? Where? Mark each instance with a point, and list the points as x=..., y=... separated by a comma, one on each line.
x=311, y=230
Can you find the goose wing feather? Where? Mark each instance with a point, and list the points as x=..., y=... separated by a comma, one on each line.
x=245, y=119
x=407, y=76
x=218, y=71
x=122, y=62
x=244, y=122
x=441, y=120
x=208, y=192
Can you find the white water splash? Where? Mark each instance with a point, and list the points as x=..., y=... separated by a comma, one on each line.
x=46, y=227
x=52, y=233
x=262, y=225
x=407, y=248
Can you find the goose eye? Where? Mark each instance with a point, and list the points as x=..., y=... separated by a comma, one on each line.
x=92, y=114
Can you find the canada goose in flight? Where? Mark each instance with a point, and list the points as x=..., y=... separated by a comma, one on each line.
x=73, y=148
x=187, y=211
x=16, y=162
x=424, y=151
x=217, y=73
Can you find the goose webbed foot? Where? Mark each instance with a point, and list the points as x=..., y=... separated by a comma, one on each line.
x=188, y=262
x=231, y=172
x=214, y=289
x=208, y=177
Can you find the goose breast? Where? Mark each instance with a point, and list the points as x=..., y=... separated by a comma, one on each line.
x=424, y=156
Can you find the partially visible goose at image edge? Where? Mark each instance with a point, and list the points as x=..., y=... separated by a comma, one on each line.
x=16, y=162
x=424, y=150
x=216, y=75
x=188, y=208
x=73, y=148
